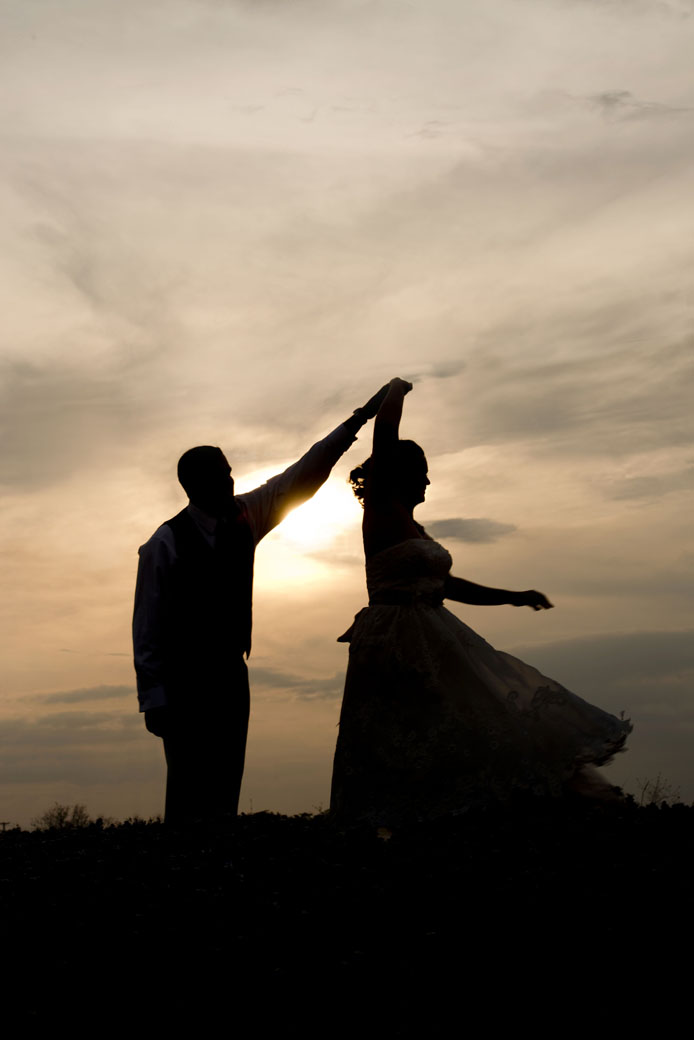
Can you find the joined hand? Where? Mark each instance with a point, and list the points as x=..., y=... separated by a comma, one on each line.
x=374, y=403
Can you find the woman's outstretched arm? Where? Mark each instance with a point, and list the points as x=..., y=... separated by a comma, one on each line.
x=481, y=595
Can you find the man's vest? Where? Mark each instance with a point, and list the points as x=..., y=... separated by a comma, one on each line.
x=208, y=608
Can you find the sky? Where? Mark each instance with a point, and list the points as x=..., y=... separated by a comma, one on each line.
x=230, y=222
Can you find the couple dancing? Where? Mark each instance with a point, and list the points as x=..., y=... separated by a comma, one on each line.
x=433, y=720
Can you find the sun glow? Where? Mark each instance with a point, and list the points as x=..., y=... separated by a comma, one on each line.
x=317, y=523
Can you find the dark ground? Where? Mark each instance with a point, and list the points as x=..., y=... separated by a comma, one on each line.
x=314, y=930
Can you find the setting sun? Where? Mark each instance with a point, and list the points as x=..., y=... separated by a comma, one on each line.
x=318, y=522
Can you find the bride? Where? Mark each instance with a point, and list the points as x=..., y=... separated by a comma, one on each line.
x=434, y=718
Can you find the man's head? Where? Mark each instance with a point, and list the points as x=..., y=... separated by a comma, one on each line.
x=206, y=478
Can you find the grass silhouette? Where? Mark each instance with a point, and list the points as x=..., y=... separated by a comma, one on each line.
x=196, y=918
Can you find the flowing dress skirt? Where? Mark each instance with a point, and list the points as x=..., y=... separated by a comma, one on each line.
x=435, y=719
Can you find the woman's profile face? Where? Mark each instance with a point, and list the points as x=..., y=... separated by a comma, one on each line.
x=421, y=476
x=414, y=478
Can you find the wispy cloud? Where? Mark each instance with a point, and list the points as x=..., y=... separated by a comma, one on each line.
x=618, y=400
x=309, y=689
x=82, y=725
x=89, y=694
x=652, y=487
x=474, y=529
x=77, y=747
x=55, y=417
x=621, y=105
x=628, y=661
x=678, y=9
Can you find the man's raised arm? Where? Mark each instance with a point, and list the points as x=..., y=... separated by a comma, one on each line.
x=267, y=505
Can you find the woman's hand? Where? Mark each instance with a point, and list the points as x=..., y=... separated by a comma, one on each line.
x=387, y=425
x=400, y=384
x=373, y=405
x=531, y=598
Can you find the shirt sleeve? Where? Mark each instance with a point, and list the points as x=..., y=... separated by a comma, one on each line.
x=270, y=503
x=157, y=557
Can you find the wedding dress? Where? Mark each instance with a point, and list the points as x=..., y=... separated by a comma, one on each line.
x=435, y=719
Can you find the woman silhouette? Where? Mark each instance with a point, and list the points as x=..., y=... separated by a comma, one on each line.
x=434, y=718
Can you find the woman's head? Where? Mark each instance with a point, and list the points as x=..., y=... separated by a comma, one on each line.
x=405, y=478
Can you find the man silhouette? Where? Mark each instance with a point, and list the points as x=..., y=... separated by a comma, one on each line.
x=193, y=615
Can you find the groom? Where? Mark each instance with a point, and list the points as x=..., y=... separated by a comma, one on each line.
x=192, y=618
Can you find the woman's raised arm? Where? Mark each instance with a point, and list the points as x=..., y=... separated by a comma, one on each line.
x=387, y=425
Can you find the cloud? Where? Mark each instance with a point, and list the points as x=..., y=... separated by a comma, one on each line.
x=652, y=487
x=443, y=369
x=447, y=369
x=610, y=400
x=159, y=324
x=432, y=129
x=598, y=577
x=82, y=725
x=334, y=557
x=272, y=259
x=638, y=663
x=680, y=9
x=472, y=530
x=82, y=747
x=55, y=418
x=309, y=689
x=622, y=105
x=92, y=693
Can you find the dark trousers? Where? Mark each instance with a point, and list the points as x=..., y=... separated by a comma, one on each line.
x=205, y=749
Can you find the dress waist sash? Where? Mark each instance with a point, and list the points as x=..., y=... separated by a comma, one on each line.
x=394, y=598
x=405, y=598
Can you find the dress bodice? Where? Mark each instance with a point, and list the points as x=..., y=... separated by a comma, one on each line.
x=415, y=569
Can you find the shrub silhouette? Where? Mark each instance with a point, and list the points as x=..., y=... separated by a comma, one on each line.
x=62, y=817
x=657, y=791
